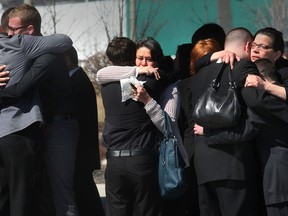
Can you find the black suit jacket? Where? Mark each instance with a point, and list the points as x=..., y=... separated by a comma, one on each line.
x=270, y=116
x=223, y=161
x=87, y=154
x=86, y=112
x=185, y=130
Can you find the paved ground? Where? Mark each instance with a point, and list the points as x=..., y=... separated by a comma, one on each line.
x=99, y=176
x=99, y=180
x=100, y=183
x=101, y=190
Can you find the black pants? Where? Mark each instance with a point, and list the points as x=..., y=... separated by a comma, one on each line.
x=228, y=198
x=132, y=186
x=279, y=209
x=17, y=160
x=87, y=194
x=188, y=204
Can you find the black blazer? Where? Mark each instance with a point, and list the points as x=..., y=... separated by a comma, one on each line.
x=87, y=154
x=185, y=130
x=270, y=116
x=223, y=161
x=86, y=112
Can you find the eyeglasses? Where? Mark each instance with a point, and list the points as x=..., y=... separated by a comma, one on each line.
x=261, y=47
x=17, y=28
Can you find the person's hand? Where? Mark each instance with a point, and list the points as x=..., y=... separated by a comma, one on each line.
x=140, y=94
x=254, y=81
x=230, y=58
x=225, y=56
x=198, y=130
x=149, y=71
x=3, y=75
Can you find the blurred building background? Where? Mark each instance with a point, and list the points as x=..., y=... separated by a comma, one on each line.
x=92, y=23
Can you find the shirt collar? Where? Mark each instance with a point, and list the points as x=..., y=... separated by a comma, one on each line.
x=71, y=72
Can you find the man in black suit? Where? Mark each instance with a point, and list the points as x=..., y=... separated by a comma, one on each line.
x=226, y=171
x=87, y=155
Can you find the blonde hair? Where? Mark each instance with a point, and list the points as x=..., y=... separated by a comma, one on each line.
x=201, y=48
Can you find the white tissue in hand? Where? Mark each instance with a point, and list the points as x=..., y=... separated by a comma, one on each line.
x=126, y=89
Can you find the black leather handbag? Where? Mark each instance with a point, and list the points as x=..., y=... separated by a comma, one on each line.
x=215, y=111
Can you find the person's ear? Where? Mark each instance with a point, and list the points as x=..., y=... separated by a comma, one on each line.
x=30, y=29
x=277, y=55
x=248, y=47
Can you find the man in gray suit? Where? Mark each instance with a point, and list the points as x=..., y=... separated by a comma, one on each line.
x=57, y=103
x=21, y=116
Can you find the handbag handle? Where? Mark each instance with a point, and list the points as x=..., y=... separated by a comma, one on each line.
x=231, y=82
x=216, y=81
x=168, y=132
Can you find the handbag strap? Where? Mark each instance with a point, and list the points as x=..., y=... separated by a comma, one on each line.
x=216, y=81
x=168, y=132
x=231, y=82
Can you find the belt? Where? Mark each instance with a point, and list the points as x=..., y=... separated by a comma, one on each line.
x=128, y=153
x=67, y=116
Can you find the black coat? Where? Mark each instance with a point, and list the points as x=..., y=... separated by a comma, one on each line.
x=270, y=116
x=226, y=160
x=87, y=115
x=87, y=154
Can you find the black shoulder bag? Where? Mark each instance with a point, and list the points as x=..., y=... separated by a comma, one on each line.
x=214, y=111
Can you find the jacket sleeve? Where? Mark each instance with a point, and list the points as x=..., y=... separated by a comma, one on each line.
x=265, y=105
x=115, y=73
x=203, y=61
x=283, y=72
x=169, y=103
x=33, y=78
x=35, y=46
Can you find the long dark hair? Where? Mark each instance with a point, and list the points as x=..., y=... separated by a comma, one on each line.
x=153, y=46
x=165, y=63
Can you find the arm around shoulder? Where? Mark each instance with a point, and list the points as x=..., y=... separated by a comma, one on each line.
x=278, y=91
x=114, y=73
